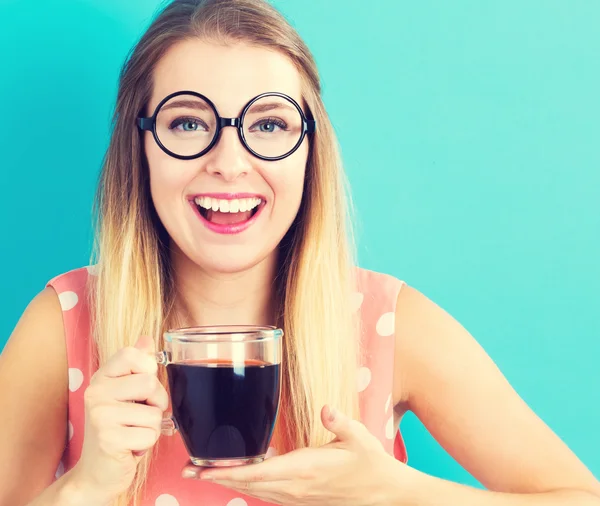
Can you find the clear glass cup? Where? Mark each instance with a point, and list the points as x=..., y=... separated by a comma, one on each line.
x=224, y=384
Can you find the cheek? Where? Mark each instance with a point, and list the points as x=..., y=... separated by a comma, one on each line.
x=166, y=176
x=287, y=184
x=289, y=176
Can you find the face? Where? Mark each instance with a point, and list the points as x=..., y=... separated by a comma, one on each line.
x=239, y=234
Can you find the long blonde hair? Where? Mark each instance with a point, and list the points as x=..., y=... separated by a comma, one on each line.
x=134, y=291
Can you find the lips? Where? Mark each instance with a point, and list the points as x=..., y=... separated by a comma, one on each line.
x=228, y=214
x=227, y=211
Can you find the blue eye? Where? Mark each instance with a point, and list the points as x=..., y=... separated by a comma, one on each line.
x=188, y=125
x=269, y=125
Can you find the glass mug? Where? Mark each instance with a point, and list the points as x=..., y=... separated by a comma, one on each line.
x=225, y=384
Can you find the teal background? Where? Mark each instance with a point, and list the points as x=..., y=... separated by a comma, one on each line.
x=470, y=135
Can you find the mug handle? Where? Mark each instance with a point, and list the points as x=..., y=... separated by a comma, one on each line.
x=163, y=357
x=169, y=424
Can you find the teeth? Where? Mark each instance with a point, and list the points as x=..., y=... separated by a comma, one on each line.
x=228, y=206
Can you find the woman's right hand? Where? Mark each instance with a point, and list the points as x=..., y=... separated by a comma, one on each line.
x=124, y=406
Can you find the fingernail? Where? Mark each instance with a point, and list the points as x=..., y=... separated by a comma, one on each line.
x=189, y=473
x=332, y=414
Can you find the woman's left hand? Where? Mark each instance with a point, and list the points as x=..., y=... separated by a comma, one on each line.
x=353, y=469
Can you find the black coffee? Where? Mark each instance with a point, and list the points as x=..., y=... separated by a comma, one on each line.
x=224, y=412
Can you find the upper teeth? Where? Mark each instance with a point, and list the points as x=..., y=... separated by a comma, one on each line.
x=228, y=206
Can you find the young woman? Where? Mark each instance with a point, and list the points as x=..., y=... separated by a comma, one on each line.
x=200, y=224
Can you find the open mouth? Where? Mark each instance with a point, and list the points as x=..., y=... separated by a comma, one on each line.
x=228, y=212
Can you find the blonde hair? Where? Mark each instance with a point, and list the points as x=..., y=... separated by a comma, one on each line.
x=134, y=291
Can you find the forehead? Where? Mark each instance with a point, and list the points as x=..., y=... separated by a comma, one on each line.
x=229, y=75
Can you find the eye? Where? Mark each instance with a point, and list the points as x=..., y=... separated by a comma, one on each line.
x=188, y=125
x=269, y=125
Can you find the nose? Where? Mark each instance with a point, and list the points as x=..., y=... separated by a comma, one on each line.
x=228, y=158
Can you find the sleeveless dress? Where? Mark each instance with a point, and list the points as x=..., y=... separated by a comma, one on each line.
x=375, y=300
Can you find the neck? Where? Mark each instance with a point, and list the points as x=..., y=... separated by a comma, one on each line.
x=205, y=298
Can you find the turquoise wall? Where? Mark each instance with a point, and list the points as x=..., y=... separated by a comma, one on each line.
x=470, y=134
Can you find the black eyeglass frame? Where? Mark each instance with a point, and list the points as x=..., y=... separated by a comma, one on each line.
x=309, y=126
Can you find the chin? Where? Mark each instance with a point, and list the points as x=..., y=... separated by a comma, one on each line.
x=224, y=262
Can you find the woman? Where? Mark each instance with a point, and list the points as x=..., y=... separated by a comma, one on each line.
x=203, y=227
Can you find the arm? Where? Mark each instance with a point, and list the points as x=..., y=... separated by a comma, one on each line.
x=34, y=389
x=456, y=390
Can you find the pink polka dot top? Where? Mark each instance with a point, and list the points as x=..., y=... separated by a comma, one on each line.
x=375, y=300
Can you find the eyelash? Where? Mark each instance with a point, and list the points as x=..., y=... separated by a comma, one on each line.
x=276, y=121
x=180, y=121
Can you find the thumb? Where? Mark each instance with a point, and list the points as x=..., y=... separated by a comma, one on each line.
x=344, y=428
x=145, y=343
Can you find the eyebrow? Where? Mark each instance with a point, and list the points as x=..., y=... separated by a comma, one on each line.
x=270, y=106
x=203, y=106
x=187, y=104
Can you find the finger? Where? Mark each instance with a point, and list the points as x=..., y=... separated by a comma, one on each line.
x=138, y=438
x=130, y=360
x=127, y=439
x=284, y=467
x=192, y=471
x=138, y=415
x=145, y=344
x=344, y=428
x=140, y=387
x=272, y=491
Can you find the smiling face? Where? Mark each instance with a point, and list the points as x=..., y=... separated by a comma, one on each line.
x=227, y=210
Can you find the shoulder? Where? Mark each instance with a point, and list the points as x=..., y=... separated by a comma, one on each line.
x=43, y=309
x=39, y=332
x=45, y=312
x=420, y=322
x=73, y=279
x=368, y=279
x=74, y=287
x=378, y=286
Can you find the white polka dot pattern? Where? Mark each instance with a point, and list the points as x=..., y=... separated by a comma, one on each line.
x=238, y=501
x=166, y=500
x=357, y=300
x=75, y=379
x=68, y=300
x=363, y=379
x=385, y=324
x=92, y=270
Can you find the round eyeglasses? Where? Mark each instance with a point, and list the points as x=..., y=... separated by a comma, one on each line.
x=186, y=125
